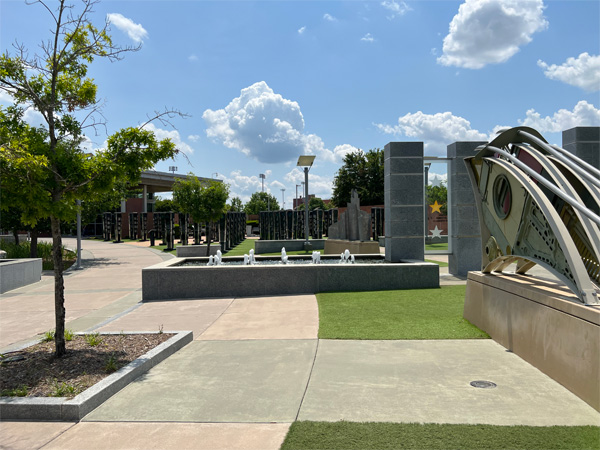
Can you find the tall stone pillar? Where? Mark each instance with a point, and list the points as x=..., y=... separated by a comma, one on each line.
x=403, y=195
x=583, y=142
x=465, y=234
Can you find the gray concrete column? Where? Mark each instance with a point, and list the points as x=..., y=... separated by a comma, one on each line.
x=404, y=207
x=465, y=234
x=145, y=198
x=583, y=142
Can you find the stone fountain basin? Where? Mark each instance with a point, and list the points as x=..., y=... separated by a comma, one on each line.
x=174, y=279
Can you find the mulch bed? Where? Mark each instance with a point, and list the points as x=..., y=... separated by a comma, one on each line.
x=35, y=372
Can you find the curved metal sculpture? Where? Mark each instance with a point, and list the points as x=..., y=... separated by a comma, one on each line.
x=538, y=204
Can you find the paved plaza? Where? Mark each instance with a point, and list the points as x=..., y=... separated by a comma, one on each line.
x=256, y=365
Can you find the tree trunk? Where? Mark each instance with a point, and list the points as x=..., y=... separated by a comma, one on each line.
x=16, y=236
x=208, y=230
x=34, y=244
x=59, y=288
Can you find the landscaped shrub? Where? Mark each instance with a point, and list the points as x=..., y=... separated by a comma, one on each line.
x=23, y=249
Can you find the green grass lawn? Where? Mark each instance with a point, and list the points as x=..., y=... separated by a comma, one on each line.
x=406, y=314
x=436, y=246
x=242, y=248
x=397, y=436
x=439, y=263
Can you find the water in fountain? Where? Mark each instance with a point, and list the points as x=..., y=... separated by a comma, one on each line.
x=211, y=261
x=251, y=258
x=284, y=256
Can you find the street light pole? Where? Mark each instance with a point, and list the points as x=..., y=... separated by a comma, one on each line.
x=306, y=162
x=262, y=177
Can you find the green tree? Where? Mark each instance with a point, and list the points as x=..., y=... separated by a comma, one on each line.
x=261, y=201
x=203, y=202
x=236, y=205
x=363, y=172
x=165, y=205
x=44, y=170
x=313, y=203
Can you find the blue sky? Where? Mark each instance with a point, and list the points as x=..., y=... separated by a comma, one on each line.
x=265, y=82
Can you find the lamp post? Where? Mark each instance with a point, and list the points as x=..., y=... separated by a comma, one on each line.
x=306, y=161
x=296, y=202
x=262, y=177
x=283, y=198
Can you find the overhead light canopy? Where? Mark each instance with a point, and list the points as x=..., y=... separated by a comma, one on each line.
x=306, y=160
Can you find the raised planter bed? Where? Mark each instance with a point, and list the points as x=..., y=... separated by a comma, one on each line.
x=16, y=273
x=51, y=408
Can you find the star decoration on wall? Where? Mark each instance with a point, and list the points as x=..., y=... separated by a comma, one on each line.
x=436, y=207
x=436, y=233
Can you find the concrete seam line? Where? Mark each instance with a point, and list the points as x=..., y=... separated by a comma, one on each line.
x=59, y=434
x=115, y=317
x=312, y=367
x=220, y=315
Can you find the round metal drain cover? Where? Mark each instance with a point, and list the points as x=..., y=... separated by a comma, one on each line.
x=483, y=384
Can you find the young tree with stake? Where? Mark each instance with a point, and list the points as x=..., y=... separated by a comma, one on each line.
x=44, y=170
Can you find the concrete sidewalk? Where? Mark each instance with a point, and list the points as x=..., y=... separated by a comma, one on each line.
x=256, y=365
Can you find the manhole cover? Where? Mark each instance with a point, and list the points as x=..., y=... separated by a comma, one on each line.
x=483, y=384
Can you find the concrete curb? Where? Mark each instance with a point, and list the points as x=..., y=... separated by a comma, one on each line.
x=62, y=409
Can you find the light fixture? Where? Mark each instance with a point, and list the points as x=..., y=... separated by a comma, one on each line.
x=306, y=161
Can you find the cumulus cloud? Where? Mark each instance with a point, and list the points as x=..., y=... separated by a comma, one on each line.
x=490, y=31
x=367, y=38
x=583, y=72
x=265, y=126
x=5, y=97
x=396, y=8
x=583, y=114
x=435, y=130
x=329, y=17
x=301, y=30
x=135, y=31
x=243, y=186
x=34, y=118
x=171, y=134
x=321, y=186
x=194, y=137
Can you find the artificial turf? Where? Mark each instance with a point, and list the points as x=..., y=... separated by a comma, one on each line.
x=405, y=314
x=397, y=436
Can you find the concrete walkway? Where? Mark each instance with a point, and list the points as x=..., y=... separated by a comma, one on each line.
x=256, y=365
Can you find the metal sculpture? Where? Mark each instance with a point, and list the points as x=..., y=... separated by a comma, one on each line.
x=538, y=204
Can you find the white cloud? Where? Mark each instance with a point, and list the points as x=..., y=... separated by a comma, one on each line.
x=135, y=31
x=437, y=179
x=329, y=17
x=321, y=186
x=171, y=134
x=193, y=58
x=491, y=31
x=583, y=72
x=396, y=8
x=583, y=115
x=243, y=186
x=435, y=130
x=194, y=137
x=5, y=97
x=301, y=30
x=367, y=38
x=265, y=126
x=34, y=118
x=277, y=185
